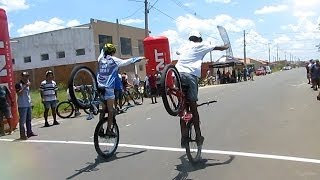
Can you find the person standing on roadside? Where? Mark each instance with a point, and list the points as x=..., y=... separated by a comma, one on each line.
x=24, y=106
x=48, y=92
x=5, y=111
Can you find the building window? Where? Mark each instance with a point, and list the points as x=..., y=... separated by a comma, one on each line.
x=61, y=54
x=27, y=59
x=44, y=57
x=103, y=39
x=140, y=48
x=13, y=61
x=140, y=67
x=80, y=52
x=126, y=48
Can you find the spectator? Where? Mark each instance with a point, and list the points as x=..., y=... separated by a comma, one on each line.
x=77, y=112
x=153, y=86
x=118, y=90
x=24, y=106
x=158, y=77
x=146, y=87
x=308, y=73
x=315, y=74
x=48, y=92
x=218, y=76
x=5, y=111
x=136, y=82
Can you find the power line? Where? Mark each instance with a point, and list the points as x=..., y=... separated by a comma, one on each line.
x=135, y=12
x=182, y=6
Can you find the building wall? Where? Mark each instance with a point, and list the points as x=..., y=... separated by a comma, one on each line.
x=86, y=36
x=67, y=40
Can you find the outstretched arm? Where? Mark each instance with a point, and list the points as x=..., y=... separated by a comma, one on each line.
x=121, y=62
x=221, y=48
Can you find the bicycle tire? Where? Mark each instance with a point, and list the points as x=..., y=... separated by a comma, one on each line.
x=193, y=151
x=100, y=133
x=87, y=111
x=65, y=109
x=84, y=77
x=123, y=102
x=172, y=91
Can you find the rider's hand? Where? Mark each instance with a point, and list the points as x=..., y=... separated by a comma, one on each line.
x=137, y=59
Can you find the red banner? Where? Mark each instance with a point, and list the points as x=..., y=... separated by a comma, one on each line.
x=6, y=69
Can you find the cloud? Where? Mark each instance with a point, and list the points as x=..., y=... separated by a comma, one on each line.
x=218, y=1
x=73, y=23
x=43, y=26
x=13, y=5
x=271, y=9
x=208, y=28
x=132, y=21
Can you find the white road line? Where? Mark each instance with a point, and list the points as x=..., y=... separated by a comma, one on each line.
x=159, y=148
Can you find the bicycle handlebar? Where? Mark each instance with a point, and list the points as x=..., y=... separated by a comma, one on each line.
x=207, y=103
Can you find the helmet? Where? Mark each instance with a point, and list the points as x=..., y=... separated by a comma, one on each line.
x=109, y=49
x=195, y=36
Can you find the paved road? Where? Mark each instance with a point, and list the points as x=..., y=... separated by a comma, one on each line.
x=264, y=129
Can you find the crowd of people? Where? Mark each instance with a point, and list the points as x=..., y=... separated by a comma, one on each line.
x=313, y=75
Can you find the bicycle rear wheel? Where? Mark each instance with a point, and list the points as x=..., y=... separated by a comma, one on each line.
x=65, y=109
x=82, y=86
x=171, y=90
x=193, y=151
x=105, y=145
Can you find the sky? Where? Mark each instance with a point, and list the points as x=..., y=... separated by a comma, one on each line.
x=289, y=27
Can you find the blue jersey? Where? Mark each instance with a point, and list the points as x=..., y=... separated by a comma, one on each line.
x=118, y=83
x=108, y=67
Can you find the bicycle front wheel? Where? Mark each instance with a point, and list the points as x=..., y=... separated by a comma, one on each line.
x=65, y=109
x=106, y=145
x=170, y=89
x=193, y=151
x=82, y=86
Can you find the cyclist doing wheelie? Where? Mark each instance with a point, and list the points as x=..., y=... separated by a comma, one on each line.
x=189, y=67
x=108, y=66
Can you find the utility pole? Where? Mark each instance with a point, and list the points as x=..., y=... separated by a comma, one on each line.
x=146, y=11
x=277, y=53
x=210, y=54
x=285, y=55
x=269, y=51
x=244, y=48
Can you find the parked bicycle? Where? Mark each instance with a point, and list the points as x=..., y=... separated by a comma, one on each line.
x=88, y=96
x=176, y=104
x=65, y=109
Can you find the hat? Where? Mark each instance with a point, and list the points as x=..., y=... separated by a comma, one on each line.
x=25, y=73
x=49, y=72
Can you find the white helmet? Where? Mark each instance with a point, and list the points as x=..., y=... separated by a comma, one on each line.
x=195, y=35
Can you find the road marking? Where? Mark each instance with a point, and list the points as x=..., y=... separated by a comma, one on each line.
x=297, y=85
x=159, y=148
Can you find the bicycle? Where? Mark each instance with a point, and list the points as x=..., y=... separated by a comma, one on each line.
x=65, y=109
x=87, y=96
x=174, y=101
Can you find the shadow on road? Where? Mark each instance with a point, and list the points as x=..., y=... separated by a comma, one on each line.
x=92, y=166
x=186, y=167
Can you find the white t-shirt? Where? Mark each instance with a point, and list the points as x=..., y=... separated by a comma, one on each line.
x=191, y=56
x=136, y=81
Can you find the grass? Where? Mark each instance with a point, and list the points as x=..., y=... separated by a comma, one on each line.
x=38, y=109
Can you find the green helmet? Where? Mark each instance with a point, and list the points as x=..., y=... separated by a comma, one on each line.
x=109, y=49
